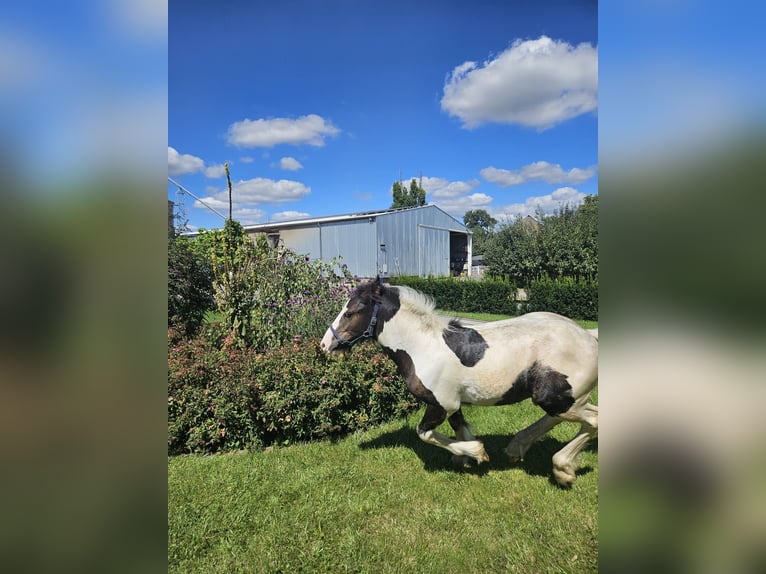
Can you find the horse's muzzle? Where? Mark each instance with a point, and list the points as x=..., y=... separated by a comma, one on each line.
x=328, y=343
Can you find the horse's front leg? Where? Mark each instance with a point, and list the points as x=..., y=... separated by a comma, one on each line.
x=433, y=417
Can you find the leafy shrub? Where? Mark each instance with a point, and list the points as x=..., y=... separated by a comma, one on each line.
x=486, y=296
x=190, y=286
x=235, y=398
x=267, y=296
x=576, y=298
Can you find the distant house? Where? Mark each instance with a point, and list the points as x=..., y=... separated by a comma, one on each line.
x=530, y=223
x=420, y=241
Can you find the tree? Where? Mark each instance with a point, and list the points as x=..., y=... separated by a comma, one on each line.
x=564, y=244
x=415, y=196
x=481, y=224
x=190, y=285
x=515, y=252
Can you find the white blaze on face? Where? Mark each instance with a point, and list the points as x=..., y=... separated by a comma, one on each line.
x=329, y=342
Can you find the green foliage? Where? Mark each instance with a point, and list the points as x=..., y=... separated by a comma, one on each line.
x=486, y=296
x=564, y=244
x=482, y=225
x=576, y=298
x=233, y=257
x=233, y=398
x=190, y=286
x=266, y=297
x=514, y=252
x=415, y=196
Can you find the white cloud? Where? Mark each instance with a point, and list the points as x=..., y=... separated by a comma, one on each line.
x=548, y=203
x=540, y=170
x=534, y=83
x=248, y=194
x=180, y=164
x=248, y=215
x=290, y=163
x=243, y=213
x=263, y=190
x=451, y=196
x=246, y=159
x=289, y=215
x=310, y=129
x=438, y=187
x=457, y=206
x=215, y=171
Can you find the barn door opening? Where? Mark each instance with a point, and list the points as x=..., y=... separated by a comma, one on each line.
x=458, y=254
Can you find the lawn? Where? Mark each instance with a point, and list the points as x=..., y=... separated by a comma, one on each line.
x=382, y=501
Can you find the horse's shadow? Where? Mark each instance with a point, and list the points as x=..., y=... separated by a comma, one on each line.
x=537, y=460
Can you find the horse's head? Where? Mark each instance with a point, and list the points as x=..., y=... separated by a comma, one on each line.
x=357, y=320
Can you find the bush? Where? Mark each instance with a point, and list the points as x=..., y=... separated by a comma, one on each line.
x=190, y=286
x=234, y=398
x=267, y=296
x=576, y=298
x=486, y=296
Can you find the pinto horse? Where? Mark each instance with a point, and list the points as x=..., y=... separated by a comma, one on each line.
x=542, y=356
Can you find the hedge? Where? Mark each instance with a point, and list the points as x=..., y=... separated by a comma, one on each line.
x=576, y=298
x=485, y=296
x=232, y=398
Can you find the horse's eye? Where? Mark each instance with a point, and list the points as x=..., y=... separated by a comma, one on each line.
x=348, y=314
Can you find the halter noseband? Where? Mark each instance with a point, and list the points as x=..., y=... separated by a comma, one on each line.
x=366, y=335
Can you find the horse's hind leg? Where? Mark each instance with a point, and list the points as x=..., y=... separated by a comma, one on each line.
x=462, y=433
x=461, y=428
x=564, y=466
x=525, y=438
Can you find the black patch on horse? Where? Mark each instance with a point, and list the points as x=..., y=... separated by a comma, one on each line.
x=407, y=371
x=467, y=344
x=548, y=389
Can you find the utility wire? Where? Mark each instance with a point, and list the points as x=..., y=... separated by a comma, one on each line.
x=181, y=187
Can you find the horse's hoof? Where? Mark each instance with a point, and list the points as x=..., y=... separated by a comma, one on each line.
x=514, y=457
x=564, y=477
x=483, y=458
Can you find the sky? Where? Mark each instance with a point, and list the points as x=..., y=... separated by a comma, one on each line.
x=319, y=107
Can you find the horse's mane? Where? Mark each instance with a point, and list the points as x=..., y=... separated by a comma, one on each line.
x=415, y=301
x=420, y=305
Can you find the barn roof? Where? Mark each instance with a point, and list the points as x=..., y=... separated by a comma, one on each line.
x=274, y=225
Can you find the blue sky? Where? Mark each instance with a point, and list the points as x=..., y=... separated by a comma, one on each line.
x=320, y=106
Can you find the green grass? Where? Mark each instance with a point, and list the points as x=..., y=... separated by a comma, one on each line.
x=382, y=501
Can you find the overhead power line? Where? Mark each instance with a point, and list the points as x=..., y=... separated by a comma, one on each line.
x=182, y=188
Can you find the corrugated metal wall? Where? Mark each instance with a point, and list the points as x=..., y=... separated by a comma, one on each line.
x=303, y=240
x=418, y=241
x=407, y=242
x=355, y=241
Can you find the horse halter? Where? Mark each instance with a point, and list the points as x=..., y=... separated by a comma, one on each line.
x=366, y=335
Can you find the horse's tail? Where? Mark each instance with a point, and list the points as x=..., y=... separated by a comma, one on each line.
x=594, y=332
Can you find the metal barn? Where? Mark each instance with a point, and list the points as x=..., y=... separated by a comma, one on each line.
x=410, y=241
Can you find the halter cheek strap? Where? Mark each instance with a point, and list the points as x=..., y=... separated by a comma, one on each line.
x=366, y=335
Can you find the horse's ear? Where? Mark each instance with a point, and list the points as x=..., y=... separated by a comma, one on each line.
x=377, y=285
